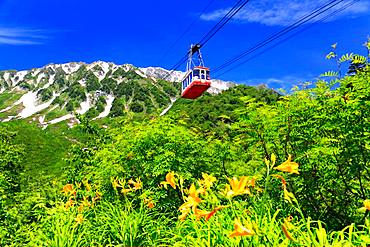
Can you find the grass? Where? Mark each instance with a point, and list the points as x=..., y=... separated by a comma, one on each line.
x=45, y=149
x=8, y=98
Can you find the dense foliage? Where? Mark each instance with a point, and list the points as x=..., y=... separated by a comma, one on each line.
x=247, y=167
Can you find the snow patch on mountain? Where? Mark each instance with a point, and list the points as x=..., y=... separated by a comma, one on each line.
x=70, y=68
x=161, y=73
x=19, y=76
x=109, y=102
x=60, y=119
x=29, y=101
x=173, y=100
x=39, y=78
x=51, y=81
x=6, y=76
x=85, y=105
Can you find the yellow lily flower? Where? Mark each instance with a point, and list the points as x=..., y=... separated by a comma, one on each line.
x=115, y=184
x=288, y=166
x=68, y=189
x=137, y=184
x=239, y=187
x=191, y=202
x=170, y=179
x=125, y=191
x=289, y=196
x=207, y=180
x=69, y=204
x=213, y=212
x=202, y=213
x=149, y=203
x=79, y=219
x=184, y=213
x=288, y=226
x=240, y=230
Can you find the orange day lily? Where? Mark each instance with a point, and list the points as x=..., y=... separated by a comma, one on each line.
x=240, y=230
x=191, y=202
x=69, y=203
x=149, y=203
x=170, y=179
x=137, y=184
x=288, y=166
x=68, y=189
x=288, y=226
x=239, y=187
x=201, y=213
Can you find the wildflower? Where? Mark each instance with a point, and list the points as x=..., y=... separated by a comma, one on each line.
x=170, y=179
x=97, y=197
x=79, y=219
x=194, y=193
x=207, y=180
x=87, y=185
x=288, y=166
x=125, y=191
x=239, y=187
x=69, y=204
x=68, y=189
x=191, y=202
x=273, y=159
x=149, y=203
x=283, y=181
x=289, y=196
x=201, y=213
x=240, y=230
x=213, y=212
x=115, y=184
x=137, y=184
x=184, y=213
x=288, y=226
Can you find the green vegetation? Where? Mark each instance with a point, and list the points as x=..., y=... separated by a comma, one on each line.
x=247, y=167
x=9, y=98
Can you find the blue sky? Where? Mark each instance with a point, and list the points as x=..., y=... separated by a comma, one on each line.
x=36, y=33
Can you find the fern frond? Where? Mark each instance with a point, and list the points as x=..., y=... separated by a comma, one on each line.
x=331, y=55
x=346, y=57
x=329, y=74
x=358, y=59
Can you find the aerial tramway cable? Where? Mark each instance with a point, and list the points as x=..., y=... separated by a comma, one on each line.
x=187, y=30
x=332, y=14
x=279, y=34
x=216, y=28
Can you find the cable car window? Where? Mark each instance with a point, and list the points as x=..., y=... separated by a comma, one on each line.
x=196, y=73
x=208, y=77
x=203, y=74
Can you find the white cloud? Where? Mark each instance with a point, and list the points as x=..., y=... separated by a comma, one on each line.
x=284, y=12
x=21, y=36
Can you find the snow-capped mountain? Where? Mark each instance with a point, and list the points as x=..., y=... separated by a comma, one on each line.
x=57, y=92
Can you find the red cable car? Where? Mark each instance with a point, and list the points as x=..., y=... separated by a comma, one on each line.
x=197, y=78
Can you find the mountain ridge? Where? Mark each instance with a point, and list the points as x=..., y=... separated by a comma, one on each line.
x=57, y=92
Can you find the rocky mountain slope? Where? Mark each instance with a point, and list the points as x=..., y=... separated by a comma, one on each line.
x=57, y=92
